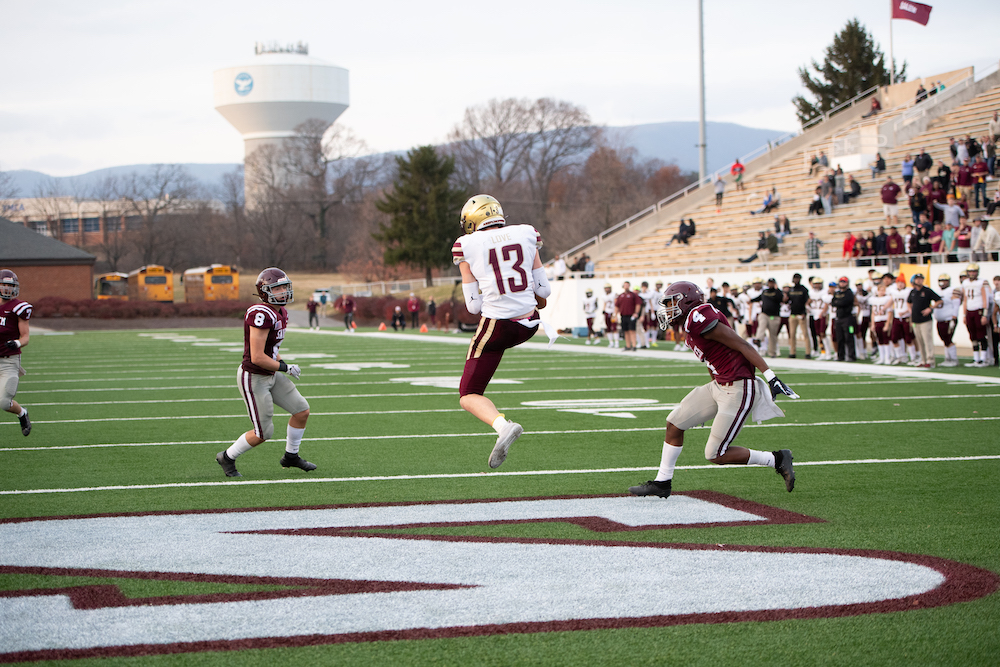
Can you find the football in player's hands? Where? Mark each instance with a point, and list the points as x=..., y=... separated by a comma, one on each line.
x=540, y=301
x=294, y=371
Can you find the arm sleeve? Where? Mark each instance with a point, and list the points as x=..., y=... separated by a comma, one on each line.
x=542, y=287
x=473, y=299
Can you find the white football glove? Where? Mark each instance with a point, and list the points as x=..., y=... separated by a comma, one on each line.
x=295, y=371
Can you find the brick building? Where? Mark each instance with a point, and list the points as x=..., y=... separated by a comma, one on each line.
x=45, y=266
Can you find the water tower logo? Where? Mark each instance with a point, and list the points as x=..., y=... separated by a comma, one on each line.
x=243, y=84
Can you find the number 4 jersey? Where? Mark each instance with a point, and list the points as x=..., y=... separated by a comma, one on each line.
x=724, y=363
x=501, y=259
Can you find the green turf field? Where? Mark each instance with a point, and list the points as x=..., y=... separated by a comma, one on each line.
x=392, y=551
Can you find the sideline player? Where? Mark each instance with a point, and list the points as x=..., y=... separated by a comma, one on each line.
x=590, y=311
x=947, y=318
x=728, y=400
x=14, y=335
x=975, y=297
x=260, y=385
x=881, y=309
x=503, y=278
x=901, y=332
x=610, y=318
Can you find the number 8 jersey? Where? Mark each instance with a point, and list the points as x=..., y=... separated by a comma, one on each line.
x=501, y=259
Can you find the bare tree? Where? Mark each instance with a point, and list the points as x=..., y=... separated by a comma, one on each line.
x=151, y=195
x=53, y=202
x=232, y=229
x=316, y=159
x=491, y=143
x=8, y=188
x=114, y=245
x=272, y=230
x=561, y=135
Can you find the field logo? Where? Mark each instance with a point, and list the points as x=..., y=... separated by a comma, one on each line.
x=623, y=408
x=327, y=575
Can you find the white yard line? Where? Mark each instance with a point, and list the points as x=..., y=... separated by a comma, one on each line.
x=525, y=473
x=421, y=436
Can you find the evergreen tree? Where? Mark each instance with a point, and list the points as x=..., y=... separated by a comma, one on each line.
x=423, y=209
x=853, y=64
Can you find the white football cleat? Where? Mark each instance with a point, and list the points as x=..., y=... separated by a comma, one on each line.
x=508, y=434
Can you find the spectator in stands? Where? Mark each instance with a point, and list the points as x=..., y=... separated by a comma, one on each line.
x=936, y=239
x=588, y=267
x=990, y=151
x=880, y=240
x=962, y=155
x=944, y=176
x=839, y=186
x=848, y=250
x=893, y=243
x=994, y=128
x=890, y=191
x=761, y=249
x=852, y=189
x=909, y=243
x=398, y=319
x=772, y=200
x=937, y=196
x=877, y=165
x=684, y=232
x=816, y=206
x=812, y=251
x=782, y=227
x=875, y=108
x=921, y=94
x=918, y=203
x=907, y=171
x=973, y=146
x=720, y=188
x=737, y=173
x=963, y=240
x=826, y=194
x=923, y=239
x=947, y=243
x=979, y=173
x=939, y=87
x=952, y=212
x=862, y=251
x=988, y=244
x=953, y=149
x=922, y=165
x=820, y=165
x=559, y=268
x=963, y=180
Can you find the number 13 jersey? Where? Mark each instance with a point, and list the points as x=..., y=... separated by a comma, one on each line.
x=501, y=259
x=724, y=363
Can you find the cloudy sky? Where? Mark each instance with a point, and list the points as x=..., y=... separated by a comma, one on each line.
x=103, y=83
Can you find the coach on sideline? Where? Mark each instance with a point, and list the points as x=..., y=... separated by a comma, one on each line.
x=923, y=301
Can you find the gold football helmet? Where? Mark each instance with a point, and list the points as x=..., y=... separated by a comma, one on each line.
x=481, y=212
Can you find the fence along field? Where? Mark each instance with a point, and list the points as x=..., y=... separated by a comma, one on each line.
x=414, y=552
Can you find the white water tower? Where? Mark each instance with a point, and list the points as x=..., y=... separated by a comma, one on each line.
x=280, y=88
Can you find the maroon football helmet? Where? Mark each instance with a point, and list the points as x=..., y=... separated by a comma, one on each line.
x=268, y=283
x=677, y=302
x=9, y=287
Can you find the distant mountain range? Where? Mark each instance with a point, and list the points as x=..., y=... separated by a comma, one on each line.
x=674, y=142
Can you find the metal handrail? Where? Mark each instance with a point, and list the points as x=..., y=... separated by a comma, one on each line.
x=851, y=102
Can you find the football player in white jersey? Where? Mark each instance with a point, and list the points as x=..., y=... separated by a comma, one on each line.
x=502, y=278
x=946, y=318
x=590, y=312
x=901, y=333
x=818, y=306
x=649, y=312
x=610, y=321
x=643, y=324
x=881, y=307
x=975, y=301
x=863, y=316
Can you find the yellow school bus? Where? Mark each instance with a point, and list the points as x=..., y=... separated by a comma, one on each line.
x=219, y=282
x=111, y=286
x=151, y=283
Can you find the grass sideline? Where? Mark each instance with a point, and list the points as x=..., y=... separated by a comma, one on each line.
x=129, y=408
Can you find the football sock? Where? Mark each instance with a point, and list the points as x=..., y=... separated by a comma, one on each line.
x=293, y=439
x=241, y=446
x=667, y=462
x=499, y=423
x=761, y=458
x=23, y=411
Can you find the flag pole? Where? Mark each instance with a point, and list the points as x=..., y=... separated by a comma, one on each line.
x=892, y=61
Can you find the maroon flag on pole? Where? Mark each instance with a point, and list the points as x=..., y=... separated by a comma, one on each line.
x=913, y=11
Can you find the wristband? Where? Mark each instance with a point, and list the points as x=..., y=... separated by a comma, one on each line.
x=768, y=375
x=282, y=366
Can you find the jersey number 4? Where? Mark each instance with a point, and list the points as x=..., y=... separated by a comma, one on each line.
x=508, y=250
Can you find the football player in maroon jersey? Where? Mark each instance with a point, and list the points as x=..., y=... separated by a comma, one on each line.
x=260, y=385
x=728, y=400
x=14, y=316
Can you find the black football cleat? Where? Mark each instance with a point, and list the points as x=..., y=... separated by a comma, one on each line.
x=783, y=466
x=651, y=488
x=228, y=465
x=296, y=461
x=25, y=424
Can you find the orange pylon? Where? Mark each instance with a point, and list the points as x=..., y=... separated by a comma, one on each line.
x=381, y=327
x=423, y=328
